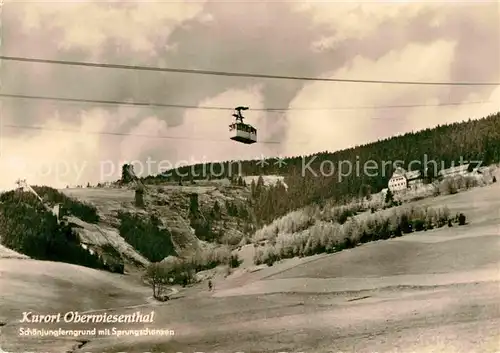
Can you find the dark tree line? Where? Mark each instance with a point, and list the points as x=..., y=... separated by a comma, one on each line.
x=209, y=224
x=28, y=228
x=268, y=201
x=86, y=212
x=146, y=236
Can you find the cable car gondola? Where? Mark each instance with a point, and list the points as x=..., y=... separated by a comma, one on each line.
x=243, y=133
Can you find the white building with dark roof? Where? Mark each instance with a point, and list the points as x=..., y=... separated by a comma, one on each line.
x=402, y=180
x=398, y=181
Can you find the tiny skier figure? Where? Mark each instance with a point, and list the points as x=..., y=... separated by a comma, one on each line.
x=210, y=285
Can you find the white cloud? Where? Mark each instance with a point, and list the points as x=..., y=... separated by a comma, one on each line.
x=63, y=153
x=357, y=20
x=146, y=136
x=333, y=130
x=53, y=156
x=428, y=117
x=354, y=20
x=88, y=25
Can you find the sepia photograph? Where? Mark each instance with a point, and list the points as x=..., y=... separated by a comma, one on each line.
x=258, y=176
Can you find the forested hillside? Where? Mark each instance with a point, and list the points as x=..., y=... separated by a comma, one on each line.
x=473, y=140
x=28, y=228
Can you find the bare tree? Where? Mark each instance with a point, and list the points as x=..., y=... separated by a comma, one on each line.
x=450, y=186
x=157, y=277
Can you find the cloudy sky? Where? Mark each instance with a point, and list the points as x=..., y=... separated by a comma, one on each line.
x=408, y=41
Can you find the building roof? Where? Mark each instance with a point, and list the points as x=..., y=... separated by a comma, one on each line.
x=413, y=174
x=410, y=175
x=399, y=172
x=453, y=170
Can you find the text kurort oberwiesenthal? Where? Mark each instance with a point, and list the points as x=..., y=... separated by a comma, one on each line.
x=76, y=317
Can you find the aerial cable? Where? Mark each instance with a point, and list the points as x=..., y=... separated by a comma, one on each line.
x=183, y=106
x=166, y=137
x=240, y=74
